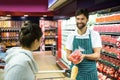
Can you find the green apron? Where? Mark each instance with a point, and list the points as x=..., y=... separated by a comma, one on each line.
x=87, y=68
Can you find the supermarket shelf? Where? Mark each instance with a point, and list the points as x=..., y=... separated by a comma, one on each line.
x=68, y=29
x=110, y=33
x=51, y=28
x=64, y=35
x=110, y=44
x=49, y=45
x=109, y=27
x=10, y=38
x=48, y=48
x=109, y=64
x=105, y=23
x=108, y=76
x=110, y=54
x=64, y=62
x=51, y=37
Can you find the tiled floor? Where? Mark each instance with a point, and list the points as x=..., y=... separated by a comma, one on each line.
x=47, y=62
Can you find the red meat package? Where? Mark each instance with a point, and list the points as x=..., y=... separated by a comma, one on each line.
x=76, y=56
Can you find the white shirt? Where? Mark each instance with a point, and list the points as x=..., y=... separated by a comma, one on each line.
x=95, y=37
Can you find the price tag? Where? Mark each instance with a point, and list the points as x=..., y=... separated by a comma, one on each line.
x=118, y=56
x=118, y=44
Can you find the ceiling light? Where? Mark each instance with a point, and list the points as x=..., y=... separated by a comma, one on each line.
x=4, y=18
x=44, y=15
x=23, y=17
x=26, y=15
x=8, y=15
x=42, y=18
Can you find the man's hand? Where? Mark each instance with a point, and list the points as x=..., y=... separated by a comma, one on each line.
x=76, y=57
x=81, y=59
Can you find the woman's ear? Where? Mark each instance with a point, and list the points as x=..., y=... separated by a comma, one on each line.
x=34, y=45
x=35, y=41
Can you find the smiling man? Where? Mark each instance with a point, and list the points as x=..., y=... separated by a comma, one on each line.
x=90, y=41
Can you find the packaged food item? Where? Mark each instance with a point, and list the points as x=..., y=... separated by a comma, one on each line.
x=74, y=72
x=75, y=58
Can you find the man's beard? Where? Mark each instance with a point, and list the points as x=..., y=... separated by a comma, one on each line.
x=80, y=25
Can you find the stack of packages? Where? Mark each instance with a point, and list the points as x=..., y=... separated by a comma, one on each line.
x=75, y=58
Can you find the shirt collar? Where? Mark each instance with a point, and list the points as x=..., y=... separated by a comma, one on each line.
x=86, y=33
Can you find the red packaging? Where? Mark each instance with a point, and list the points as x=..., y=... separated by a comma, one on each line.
x=75, y=57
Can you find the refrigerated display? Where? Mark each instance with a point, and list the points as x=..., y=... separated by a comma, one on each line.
x=67, y=27
x=109, y=28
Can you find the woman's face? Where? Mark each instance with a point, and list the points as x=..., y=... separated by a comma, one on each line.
x=36, y=44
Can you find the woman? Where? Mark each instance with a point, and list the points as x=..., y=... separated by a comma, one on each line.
x=20, y=64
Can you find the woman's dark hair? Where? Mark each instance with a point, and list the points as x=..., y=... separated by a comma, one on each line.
x=29, y=32
x=82, y=11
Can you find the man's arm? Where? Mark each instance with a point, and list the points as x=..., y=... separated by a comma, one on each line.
x=95, y=55
x=68, y=53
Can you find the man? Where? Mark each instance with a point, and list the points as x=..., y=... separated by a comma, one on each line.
x=90, y=41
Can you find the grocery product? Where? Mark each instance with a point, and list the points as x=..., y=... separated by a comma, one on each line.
x=75, y=58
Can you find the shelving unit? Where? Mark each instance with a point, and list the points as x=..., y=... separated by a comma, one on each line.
x=50, y=38
x=109, y=63
x=9, y=32
x=110, y=33
x=68, y=27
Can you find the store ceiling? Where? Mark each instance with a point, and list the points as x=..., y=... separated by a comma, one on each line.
x=40, y=7
x=21, y=7
x=24, y=5
x=28, y=7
